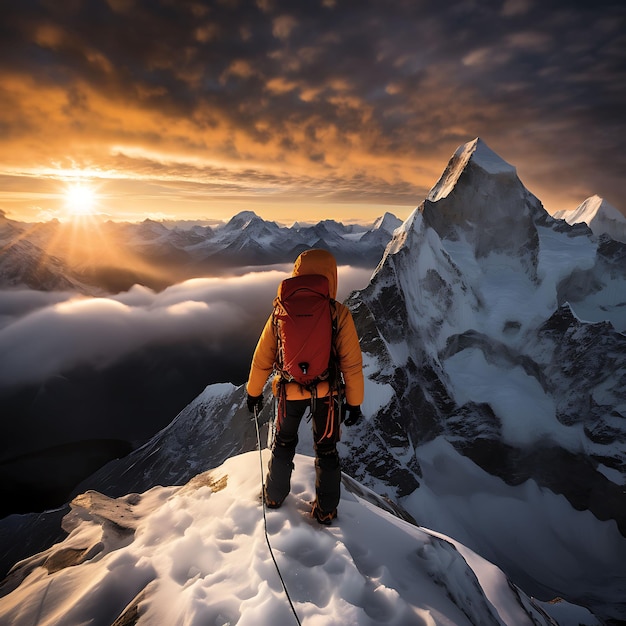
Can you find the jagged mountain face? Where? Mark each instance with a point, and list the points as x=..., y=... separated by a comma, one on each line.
x=481, y=200
x=468, y=336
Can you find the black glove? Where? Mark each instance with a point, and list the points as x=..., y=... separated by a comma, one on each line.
x=254, y=402
x=353, y=415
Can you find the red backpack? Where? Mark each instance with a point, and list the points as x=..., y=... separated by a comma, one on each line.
x=303, y=314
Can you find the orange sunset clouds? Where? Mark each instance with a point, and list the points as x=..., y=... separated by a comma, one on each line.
x=196, y=110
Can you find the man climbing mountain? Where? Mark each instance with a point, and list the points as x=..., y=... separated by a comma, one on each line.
x=310, y=341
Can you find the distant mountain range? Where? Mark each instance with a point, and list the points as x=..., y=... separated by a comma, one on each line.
x=96, y=258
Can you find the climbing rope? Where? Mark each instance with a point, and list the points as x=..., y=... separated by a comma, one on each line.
x=267, y=538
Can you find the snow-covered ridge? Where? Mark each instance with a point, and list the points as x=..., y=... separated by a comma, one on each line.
x=591, y=208
x=388, y=222
x=196, y=554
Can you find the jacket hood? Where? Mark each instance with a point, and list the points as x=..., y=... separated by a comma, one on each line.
x=317, y=261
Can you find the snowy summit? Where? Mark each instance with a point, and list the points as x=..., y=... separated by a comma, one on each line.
x=481, y=155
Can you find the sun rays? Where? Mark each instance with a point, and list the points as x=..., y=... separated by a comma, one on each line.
x=77, y=239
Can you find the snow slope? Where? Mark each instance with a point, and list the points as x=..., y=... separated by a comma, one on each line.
x=196, y=554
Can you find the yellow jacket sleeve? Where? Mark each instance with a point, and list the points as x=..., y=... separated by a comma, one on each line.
x=263, y=359
x=350, y=357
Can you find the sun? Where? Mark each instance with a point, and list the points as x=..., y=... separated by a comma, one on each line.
x=80, y=199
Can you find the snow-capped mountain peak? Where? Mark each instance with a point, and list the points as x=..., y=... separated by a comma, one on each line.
x=486, y=326
x=592, y=208
x=479, y=153
x=480, y=200
x=599, y=215
x=242, y=220
x=388, y=222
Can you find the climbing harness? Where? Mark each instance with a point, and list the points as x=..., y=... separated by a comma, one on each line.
x=267, y=538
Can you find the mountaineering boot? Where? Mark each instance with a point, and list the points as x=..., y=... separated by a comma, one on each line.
x=323, y=517
x=271, y=504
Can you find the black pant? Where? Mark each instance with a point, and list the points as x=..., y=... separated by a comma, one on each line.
x=325, y=421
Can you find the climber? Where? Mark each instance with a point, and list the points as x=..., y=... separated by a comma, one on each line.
x=311, y=344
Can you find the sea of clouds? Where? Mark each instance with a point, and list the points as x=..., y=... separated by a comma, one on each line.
x=45, y=333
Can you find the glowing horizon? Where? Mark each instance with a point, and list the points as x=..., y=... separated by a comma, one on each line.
x=64, y=204
x=117, y=198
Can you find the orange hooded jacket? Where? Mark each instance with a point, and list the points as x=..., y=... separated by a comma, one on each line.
x=313, y=261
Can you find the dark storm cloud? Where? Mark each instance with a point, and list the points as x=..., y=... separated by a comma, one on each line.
x=45, y=334
x=362, y=88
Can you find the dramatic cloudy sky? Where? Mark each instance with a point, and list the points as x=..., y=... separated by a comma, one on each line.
x=308, y=109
